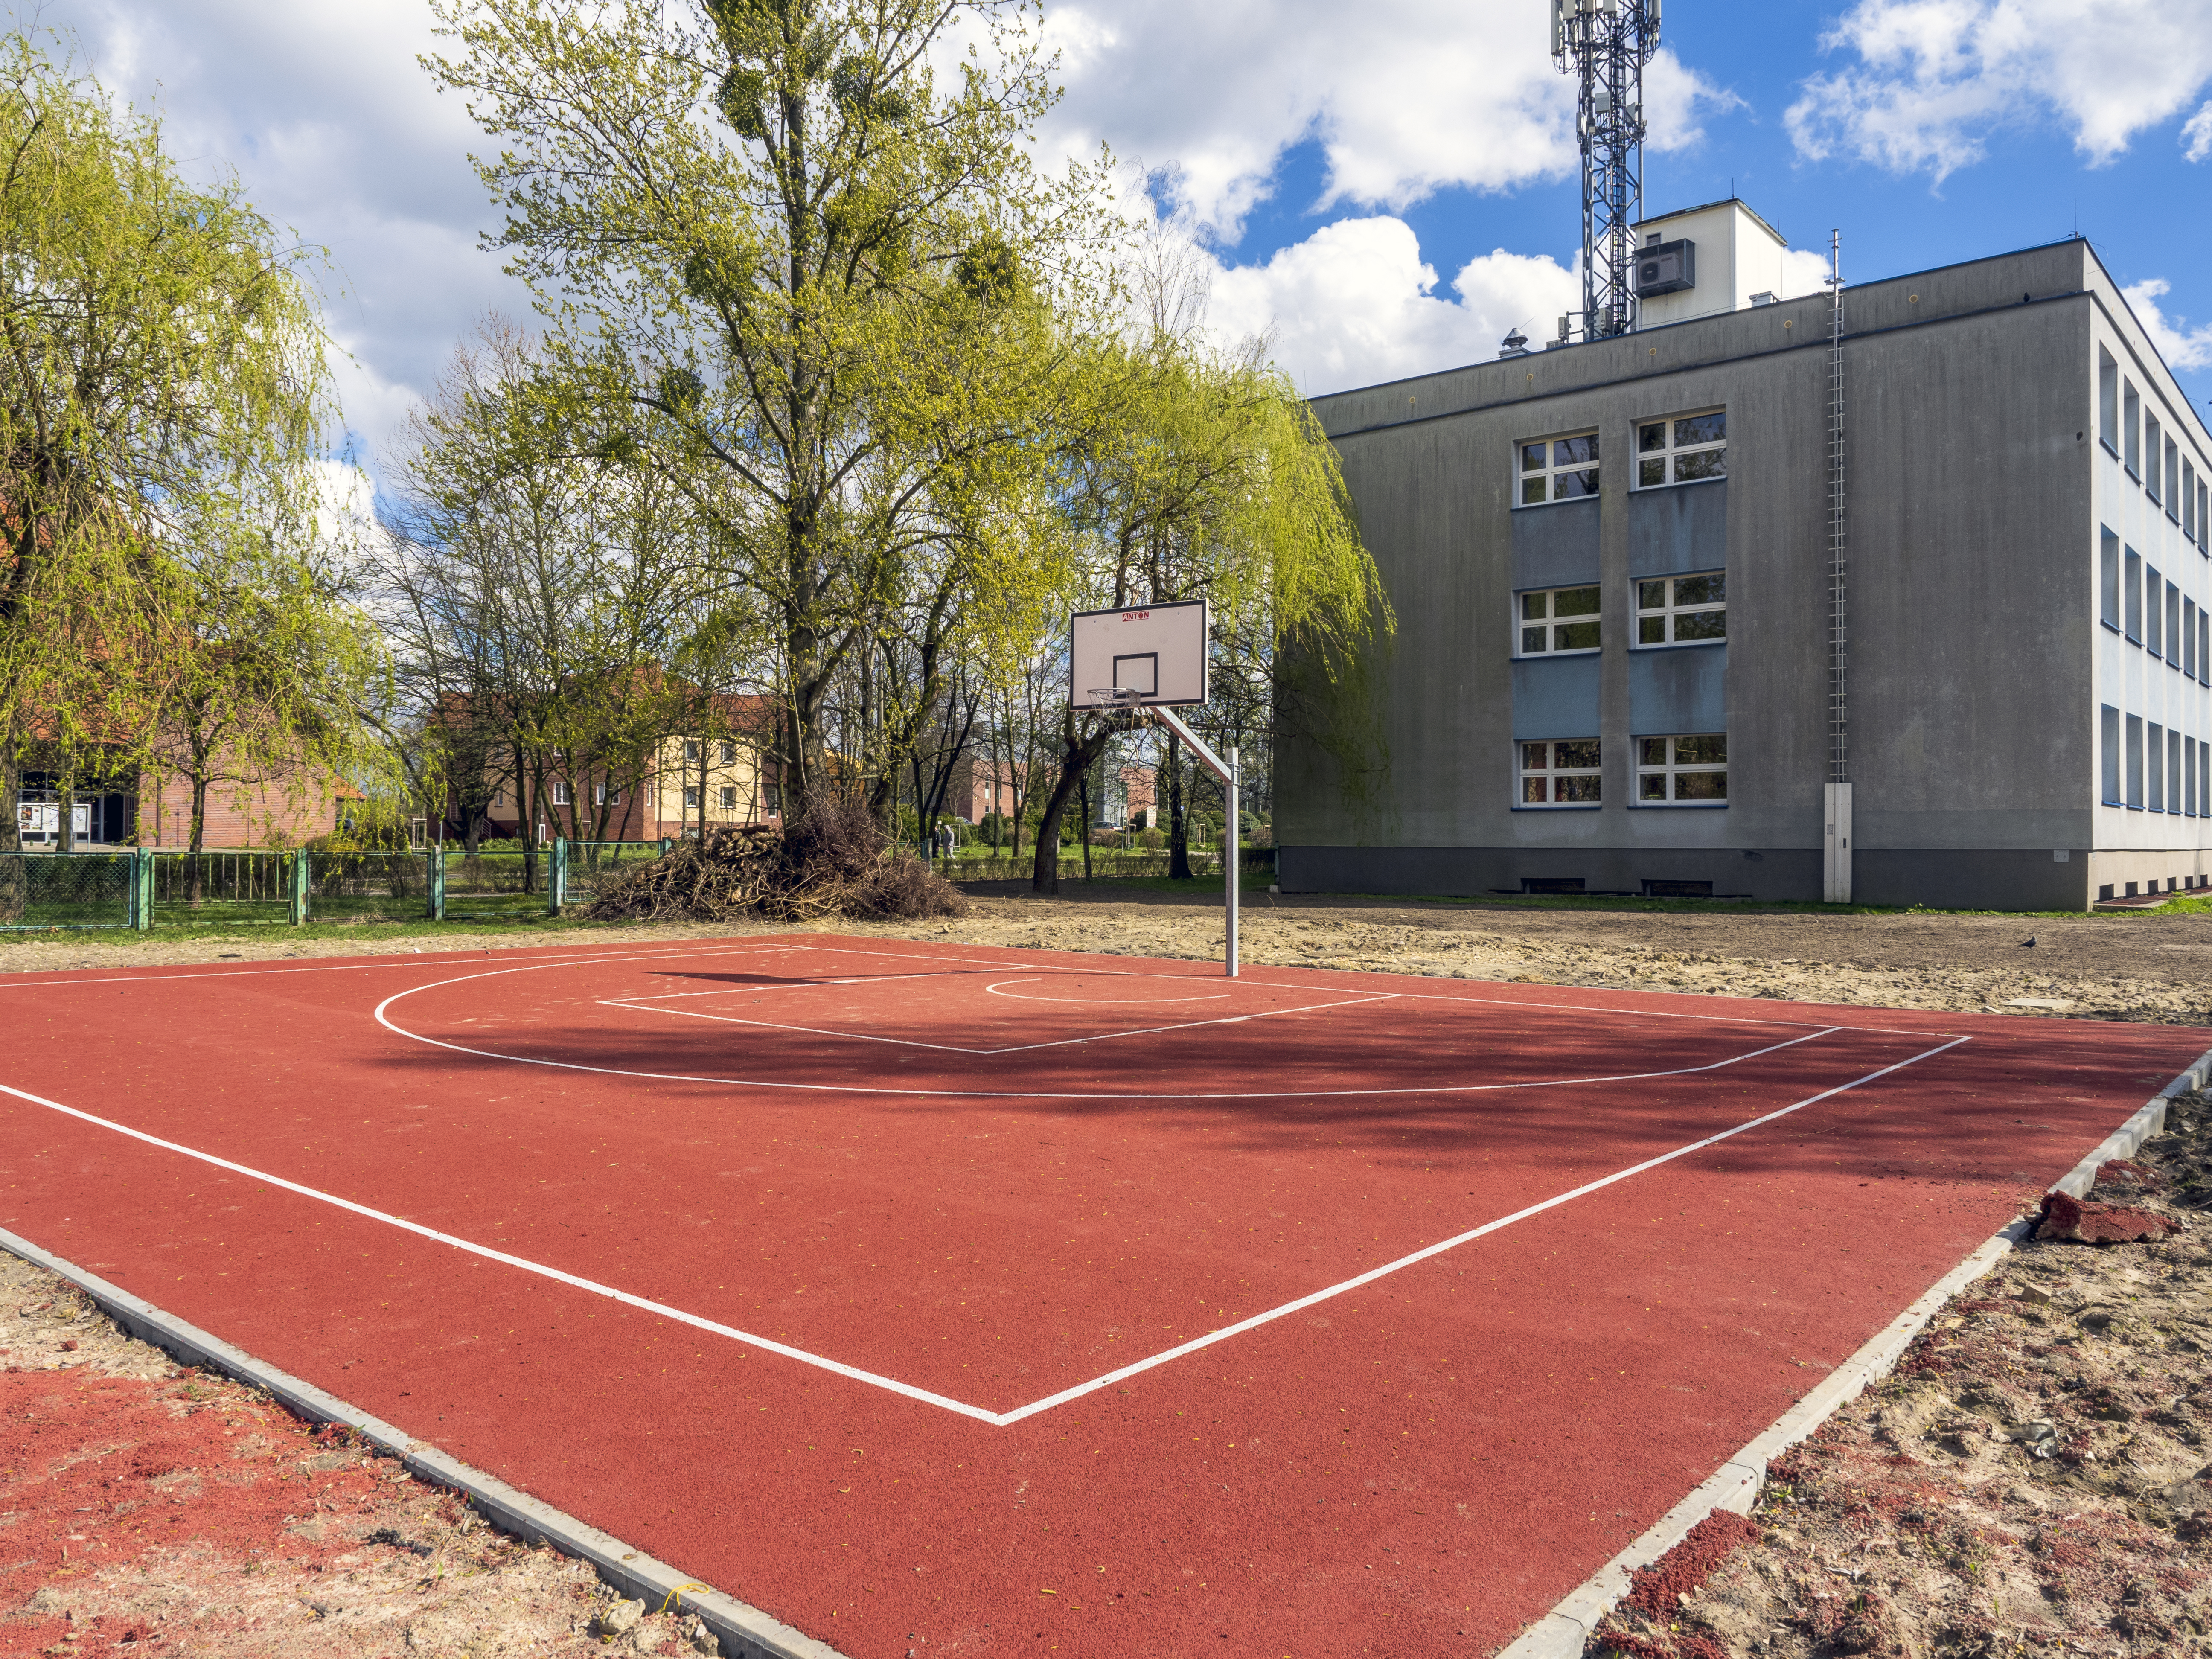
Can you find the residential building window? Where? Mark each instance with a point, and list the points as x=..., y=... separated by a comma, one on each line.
x=1682, y=449
x=2152, y=478
x=690, y=749
x=2153, y=635
x=1559, y=774
x=2108, y=401
x=2188, y=775
x=729, y=798
x=2111, y=755
x=2205, y=780
x=2188, y=638
x=2154, y=780
x=1557, y=619
x=2172, y=481
x=560, y=792
x=2175, y=800
x=1689, y=771
x=2189, y=500
x=691, y=797
x=1682, y=610
x=2173, y=625
x=2108, y=578
x=2134, y=762
x=2203, y=524
x=729, y=752
x=2205, y=647
x=2131, y=590
x=601, y=795
x=1558, y=469
x=2132, y=429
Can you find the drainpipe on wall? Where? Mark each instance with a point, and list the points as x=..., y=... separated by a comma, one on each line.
x=1836, y=795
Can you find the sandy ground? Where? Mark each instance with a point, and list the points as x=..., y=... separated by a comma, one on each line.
x=151, y=1510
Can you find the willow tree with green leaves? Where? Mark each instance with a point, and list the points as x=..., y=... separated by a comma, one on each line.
x=827, y=294
x=161, y=372
x=1209, y=478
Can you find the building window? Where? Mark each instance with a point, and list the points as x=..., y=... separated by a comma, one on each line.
x=2205, y=780
x=729, y=752
x=2111, y=756
x=729, y=798
x=2131, y=590
x=2184, y=761
x=2153, y=634
x=2134, y=762
x=2188, y=638
x=601, y=795
x=2203, y=524
x=1558, y=469
x=2189, y=500
x=2154, y=780
x=691, y=797
x=2151, y=456
x=2172, y=481
x=1682, y=449
x=2205, y=647
x=2173, y=625
x=1682, y=771
x=1682, y=610
x=690, y=749
x=1557, y=619
x=2132, y=429
x=1559, y=774
x=2108, y=578
x=2108, y=401
x=560, y=791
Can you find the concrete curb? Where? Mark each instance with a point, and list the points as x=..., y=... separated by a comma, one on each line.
x=1563, y=1632
x=746, y=1632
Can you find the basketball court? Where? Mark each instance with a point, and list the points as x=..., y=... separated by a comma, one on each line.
x=943, y=1298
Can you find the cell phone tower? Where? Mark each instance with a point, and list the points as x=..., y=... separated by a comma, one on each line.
x=1605, y=45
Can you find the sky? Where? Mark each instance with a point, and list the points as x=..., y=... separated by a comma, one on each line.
x=1386, y=189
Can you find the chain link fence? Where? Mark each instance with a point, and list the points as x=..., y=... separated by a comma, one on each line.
x=66, y=889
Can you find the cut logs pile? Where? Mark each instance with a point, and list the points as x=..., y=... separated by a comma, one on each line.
x=835, y=861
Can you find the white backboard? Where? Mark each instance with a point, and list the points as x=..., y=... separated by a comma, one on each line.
x=1158, y=650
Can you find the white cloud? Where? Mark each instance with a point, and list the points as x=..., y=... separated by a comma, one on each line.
x=334, y=131
x=1406, y=97
x=2197, y=135
x=1935, y=79
x=2181, y=346
x=1355, y=303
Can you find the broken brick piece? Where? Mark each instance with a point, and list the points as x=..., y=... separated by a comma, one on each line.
x=2120, y=1173
x=2074, y=1222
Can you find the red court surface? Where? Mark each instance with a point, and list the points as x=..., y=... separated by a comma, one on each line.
x=955, y=1300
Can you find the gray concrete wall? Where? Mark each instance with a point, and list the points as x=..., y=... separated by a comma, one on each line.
x=1973, y=547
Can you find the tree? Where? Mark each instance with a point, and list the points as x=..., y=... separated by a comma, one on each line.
x=161, y=370
x=826, y=296
x=1212, y=481
x=536, y=596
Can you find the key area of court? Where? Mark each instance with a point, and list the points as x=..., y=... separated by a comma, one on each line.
x=938, y=1299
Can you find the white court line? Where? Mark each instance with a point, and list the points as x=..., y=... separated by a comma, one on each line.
x=1000, y=990
x=997, y=1419
x=383, y=1019
x=1014, y=1049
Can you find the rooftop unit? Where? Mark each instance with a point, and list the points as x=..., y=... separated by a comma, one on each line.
x=1703, y=260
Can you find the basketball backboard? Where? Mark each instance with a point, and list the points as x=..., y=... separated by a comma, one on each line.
x=1157, y=651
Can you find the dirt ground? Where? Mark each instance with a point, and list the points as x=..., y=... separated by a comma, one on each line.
x=2033, y=1479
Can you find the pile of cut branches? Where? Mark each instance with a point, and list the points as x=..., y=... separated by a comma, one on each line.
x=835, y=861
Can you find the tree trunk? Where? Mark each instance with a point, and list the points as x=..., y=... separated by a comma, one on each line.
x=195, y=865
x=65, y=827
x=14, y=874
x=1044, y=876
x=1178, y=821
x=1083, y=791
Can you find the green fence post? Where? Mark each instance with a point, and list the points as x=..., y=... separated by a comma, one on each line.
x=142, y=889
x=437, y=883
x=667, y=845
x=557, y=876
x=299, y=888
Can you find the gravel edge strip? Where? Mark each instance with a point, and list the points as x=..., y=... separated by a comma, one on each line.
x=745, y=1631
x=1563, y=1632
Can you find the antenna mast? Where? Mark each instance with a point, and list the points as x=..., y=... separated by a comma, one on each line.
x=1605, y=43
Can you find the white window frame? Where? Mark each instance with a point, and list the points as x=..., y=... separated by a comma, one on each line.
x=1667, y=765
x=1546, y=775
x=1549, y=621
x=1559, y=461
x=691, y=751
x=729, y=798
x=729, y=751
x=560, y=792
x=1668, y=611
x=1670, y=452
x=690, y=796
